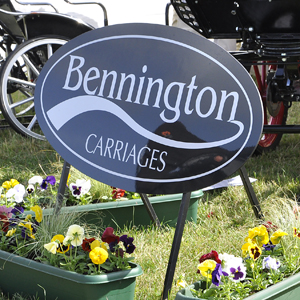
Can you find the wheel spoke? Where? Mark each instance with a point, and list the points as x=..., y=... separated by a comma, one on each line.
x=30, y=65
x=32, y=122
x=16, y=104
x=49, y=50
x=20, y=81
x=25, y=110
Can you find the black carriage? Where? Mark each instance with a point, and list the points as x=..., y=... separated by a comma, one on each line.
x=268, y=32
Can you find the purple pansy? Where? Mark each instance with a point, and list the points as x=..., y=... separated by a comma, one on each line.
x=216, y=275
x=269, y=246
x=17, y=210
x=112, y=245
x=237, y=273
x=49, y=180
x=127, y=241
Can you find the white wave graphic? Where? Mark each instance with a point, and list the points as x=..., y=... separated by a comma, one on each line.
x=69, y=109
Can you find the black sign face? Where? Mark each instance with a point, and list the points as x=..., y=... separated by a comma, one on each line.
x=149, y=108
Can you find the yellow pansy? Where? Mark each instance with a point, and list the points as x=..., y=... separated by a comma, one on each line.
x=181, y=283
x=207, y=267
x=97, y=243
x=276, y=236
x=98, y=255
x=61, y=248
x=38, y=213
x=28, y=225
x=51, y=247
x=254, y=252
x=28, y=218
x=296, y=233
x=10, y=183
x=11, y=232
x=258, y=235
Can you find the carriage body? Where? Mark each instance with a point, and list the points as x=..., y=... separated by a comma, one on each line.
x=269, y=32
x=259, y=24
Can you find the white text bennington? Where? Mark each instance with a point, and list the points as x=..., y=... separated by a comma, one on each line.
x=141, y=88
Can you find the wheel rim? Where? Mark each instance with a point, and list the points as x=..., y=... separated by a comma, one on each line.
x=268, y=139
x=18, y=107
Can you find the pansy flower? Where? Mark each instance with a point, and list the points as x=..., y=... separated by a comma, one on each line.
x=75, y=235
x=98, y=255
x=270, y=263
x=127, y=242
x=60, y=247
x=6, y=210
x=16, y=193
x=117, y=193
x=254, y=252
x=11, y=232
x=80, y=188
x=234, y=268
x=86, y=244
x=276, y=236
x=30, y=189
x=258, y=235
x=4, y=222
x=27, y=231
x=181, y=283
x=212, y=255
x=216, y=275
x=17, y=210
x=296, y=233
x=49, y=180
x=269, y=246
x=35, y=180
x=207, y=267
x=38, y=213
x=109, y=237
x=252, y=249
x=51, y=247
x=10, y=184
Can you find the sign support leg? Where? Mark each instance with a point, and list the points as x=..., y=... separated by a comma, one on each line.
x=150, y=210
x=251, y=194
x=62, y=187
x=176, y=244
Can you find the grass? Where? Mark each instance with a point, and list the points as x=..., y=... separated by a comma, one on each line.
x=277, y=187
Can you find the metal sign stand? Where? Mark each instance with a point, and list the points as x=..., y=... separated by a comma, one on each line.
x=176, y=244
x=62, y=188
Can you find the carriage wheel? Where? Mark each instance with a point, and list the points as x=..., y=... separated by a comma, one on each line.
x=18, y=79
x=274, y=113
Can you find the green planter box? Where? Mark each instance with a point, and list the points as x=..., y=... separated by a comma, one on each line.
x=133, y=212
x=288, y=289
x=18, y=274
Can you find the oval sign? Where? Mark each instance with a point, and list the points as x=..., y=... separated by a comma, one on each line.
x=149, y=108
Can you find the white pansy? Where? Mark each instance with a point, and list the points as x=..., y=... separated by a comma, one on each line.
x=75, y=235
x=233, y=266
x=270, y=263
x=16, y=193
x=35, y=180
x=51, y=247
x=80, y=188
